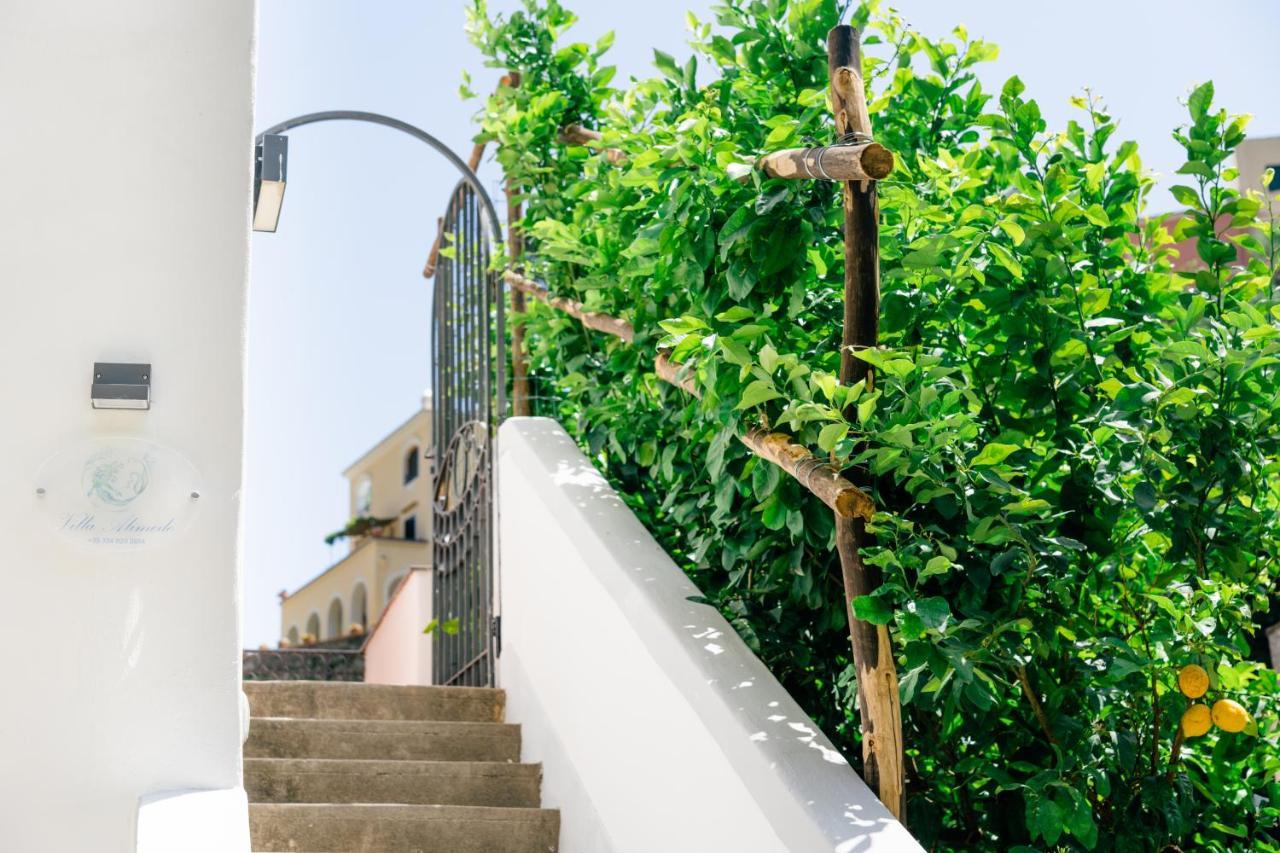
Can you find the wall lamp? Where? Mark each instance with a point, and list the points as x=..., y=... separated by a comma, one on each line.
x=121, y=386
x=271, y=161
x=271, y=156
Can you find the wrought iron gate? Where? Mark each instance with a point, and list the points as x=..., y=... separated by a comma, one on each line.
x=468, y=390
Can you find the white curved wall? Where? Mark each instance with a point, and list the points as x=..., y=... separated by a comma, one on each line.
x=126, y=164
x=656, y=726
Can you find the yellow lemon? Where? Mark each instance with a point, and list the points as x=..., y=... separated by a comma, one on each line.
x=1193, y=681
x=1195, y=720
x=1229, y=715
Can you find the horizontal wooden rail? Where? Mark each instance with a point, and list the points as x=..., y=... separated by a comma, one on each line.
x=869, y=161
x=821, y=478
x=591, y=319
x=576, y=134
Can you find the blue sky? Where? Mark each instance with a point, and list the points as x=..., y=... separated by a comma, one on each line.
x=339, y=314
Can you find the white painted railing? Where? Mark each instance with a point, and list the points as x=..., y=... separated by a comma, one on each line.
x=657, y=727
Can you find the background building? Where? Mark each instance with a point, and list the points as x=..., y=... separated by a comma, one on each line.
x=391, y=484
x=1253, y=158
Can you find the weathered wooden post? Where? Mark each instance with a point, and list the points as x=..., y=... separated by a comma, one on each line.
x=515, y=250
x=878, y=700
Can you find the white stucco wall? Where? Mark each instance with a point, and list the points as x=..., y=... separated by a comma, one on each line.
x=125, y=160
x=657, y=727
x=194, y=822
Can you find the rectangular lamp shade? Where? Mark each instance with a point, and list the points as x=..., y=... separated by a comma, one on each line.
x=270, y=164
x=121, y=386
x=266, y=212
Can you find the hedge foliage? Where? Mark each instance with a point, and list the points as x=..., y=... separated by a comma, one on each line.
x=1074, y=445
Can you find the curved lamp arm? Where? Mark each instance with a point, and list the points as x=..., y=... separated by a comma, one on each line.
x=417, y=133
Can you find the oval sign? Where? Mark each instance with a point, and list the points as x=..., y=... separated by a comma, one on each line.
x=119, y=494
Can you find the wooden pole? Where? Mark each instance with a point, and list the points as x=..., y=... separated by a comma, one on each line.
x=576, y=134
x=433, y=257
x=591, y=319
x=867, y=161
x=861, y=210
x=520, y=406
x=820, y=478
x=825, y=481
x=878, y=700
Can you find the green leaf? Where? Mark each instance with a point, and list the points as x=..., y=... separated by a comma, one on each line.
x=936, y=566
x=764, y=479
x=871, y=609
x=449, y=627
x=831, y=435
x=933, y=611
x=1028, y=506
x=994, y=454
x=867, y=407
x=1014, y=230
x=736, y=314
x=1095, y=214
x=1048, y=820
x=756, y=393
x=1006, y=259
x=667, y=65
x=1187, y=196
x=1199, y=101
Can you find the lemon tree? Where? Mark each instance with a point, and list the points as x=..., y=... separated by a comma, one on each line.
x=1073, y=442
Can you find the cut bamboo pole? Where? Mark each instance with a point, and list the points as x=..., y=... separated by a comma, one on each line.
x=821, y=478
x=878, y=700
x=576, y=134
x=591, y=319
x=869, y=161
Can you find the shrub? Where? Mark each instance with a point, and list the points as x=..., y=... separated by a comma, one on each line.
x=1073, y=443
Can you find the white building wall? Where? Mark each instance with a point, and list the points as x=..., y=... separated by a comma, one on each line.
x=657, y=727
x=125, y=162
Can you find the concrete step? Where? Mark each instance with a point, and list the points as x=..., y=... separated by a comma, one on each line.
x=446, y=783
x=405, y=740
x=277, y=827
x=336, y=700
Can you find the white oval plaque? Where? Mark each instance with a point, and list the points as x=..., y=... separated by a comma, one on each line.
x=119, y=493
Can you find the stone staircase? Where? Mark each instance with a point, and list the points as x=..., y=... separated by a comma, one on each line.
x=368, y=768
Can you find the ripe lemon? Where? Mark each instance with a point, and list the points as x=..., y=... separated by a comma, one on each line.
x=1195, y=720
x=1193, y=681
x=1229, y=715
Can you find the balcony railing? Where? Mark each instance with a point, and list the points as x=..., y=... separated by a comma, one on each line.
x=312, y=664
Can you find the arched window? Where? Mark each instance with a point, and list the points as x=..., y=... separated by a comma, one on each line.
x=392, y=587
x=411, y=465
x=364, y=496
x=360, y=607
x=335, y=618
x=293, y=636
x=313, y=627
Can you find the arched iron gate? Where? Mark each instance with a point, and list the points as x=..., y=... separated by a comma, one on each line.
x=468, y=395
